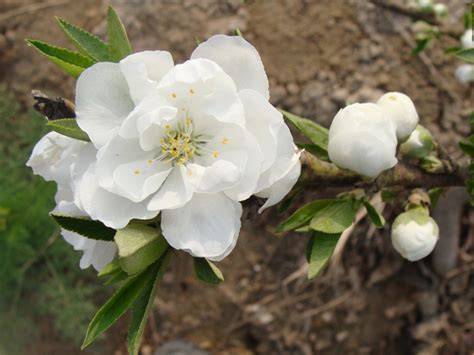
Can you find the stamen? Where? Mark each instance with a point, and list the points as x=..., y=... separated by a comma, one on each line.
x=215, y=154
x=137, y=172
x=173, y=95
x=225, y=140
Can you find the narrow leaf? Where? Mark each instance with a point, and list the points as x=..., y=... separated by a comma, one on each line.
x=317, y=134
x=374, y=215
x=334, y=218
x=110, y=269
x=466, y=55
x=86, y=42
x=119, y=46
x=118, y=304
x=421, y=45
x=85, y=226
x=315, y=150
x=117, y=277
x=68, y=127
x=467, y=147
x=303, y=215
x=319, y=250
x=208, y=272
x=72, y=63
x=142, y=307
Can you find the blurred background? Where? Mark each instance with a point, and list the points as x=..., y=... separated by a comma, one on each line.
x=318, y=55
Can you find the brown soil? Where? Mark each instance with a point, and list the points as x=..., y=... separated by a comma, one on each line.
x=318, y=54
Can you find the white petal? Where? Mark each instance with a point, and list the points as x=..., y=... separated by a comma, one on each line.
x=174, y=193
x=219, y=176
x=280, y=188
x=207, y=226
x=102, y=101
x=112, y=210
x=53, y=156
x=239, y=59
x=143, y=71
x=125, y=169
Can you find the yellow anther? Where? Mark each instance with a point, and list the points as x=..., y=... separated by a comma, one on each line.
x=173, y=95
x=137, y=172
x=215, y=154
x=191, y=91
x=190, y=172
x=188, y=120
x=167, y=126
x=150, y=161
x=393, y=97
x=225, y=140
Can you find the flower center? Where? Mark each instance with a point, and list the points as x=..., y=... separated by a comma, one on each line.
x=178, y=144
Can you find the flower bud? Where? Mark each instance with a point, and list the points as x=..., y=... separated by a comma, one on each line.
x=440, y=10
x=414, y=234
x=419, y=144
x=363, y=140
x=467, y=40
x=465, y=73
x=432, y=164
x=400, y=109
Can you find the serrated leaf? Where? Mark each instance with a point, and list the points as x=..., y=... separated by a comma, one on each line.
x=319, y=250
x=315, y=150
x=84, y=226
x=334, y=218
x=68, y=127
x=375, y=216
x=466, y=55
x=139, y=246
x=303, y=215
x=317, y=134
x=85, y=42
x=72, y=63
x=208, y=272
x=142, y=307
x=118, y=304
x=119, y=46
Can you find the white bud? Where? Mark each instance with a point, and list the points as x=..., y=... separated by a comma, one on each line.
x=400, y=109
x=414, y=234
x=465, y=73
x=467, y=40
x=440, y=10
x=425, y=4
x=419, y=144
x=363, y=140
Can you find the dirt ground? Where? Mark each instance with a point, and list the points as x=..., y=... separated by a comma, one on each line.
x=318, y=55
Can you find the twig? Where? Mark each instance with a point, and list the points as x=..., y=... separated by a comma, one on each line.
x=325, y=307
x=30, y=8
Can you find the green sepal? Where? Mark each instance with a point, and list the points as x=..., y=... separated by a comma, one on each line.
x=139, y=246
x=319, y=250
x=110, y=269
x=374, y=215
x=118, y=45
x=208, y=272
x=68, y=127
x=72, y=63
x=85, y=226
x=87, y=43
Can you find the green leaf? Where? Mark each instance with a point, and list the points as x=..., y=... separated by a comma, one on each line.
x=374, y=215
x=421, y=46
x=119, y=46
x=142, y=307
x=139, y=246
x=303, y=215
x=319, y=250
x=86, y=42
x=467, y=146
x=72, y=63
x=317, y=134
x=68, y=127
x=315, y=150
x=85, y=226
x=117, y=277
x=207, y=271
x=466, y=55
x=118, y=304
x=110, y=269
x=334, y=218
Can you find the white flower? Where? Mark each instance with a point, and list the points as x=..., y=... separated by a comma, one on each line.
x=467, y=40
x=190, y=141
x=414, y=234
x=419, y=144
x=362, y=139
x=54, y=158
x=400, y=109
x=465, y=73
x=440, y=10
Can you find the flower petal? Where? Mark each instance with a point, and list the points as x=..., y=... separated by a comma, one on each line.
x=175, y=192
x=102, y=101
x=239, y=59
x=207, y=226
x=111, y=209
x=143, y=71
